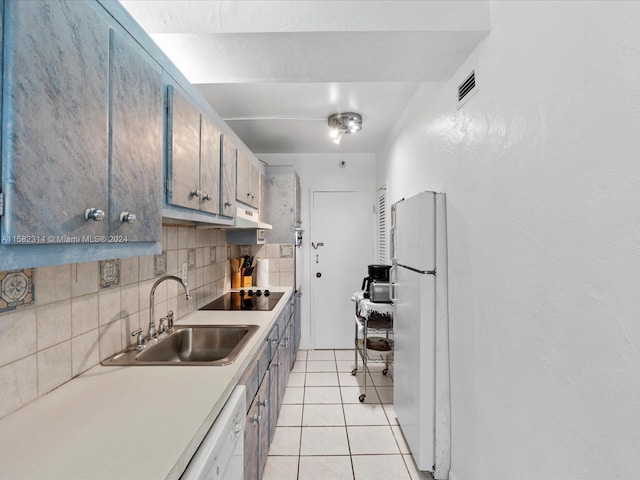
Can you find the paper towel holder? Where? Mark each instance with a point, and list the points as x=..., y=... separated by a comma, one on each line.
x=262, y=273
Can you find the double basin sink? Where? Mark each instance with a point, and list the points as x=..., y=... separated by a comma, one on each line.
x=189, y=345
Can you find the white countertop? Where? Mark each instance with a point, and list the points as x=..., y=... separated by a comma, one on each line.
x=127, y=422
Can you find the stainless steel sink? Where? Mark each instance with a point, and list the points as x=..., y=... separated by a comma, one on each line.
x=189, y=345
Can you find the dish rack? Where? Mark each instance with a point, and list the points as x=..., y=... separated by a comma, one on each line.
x=373, y=329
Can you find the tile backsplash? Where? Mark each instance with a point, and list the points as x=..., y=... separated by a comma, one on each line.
x=71, y=317
x=16, y=289
x=281, y=260
x=57, y=322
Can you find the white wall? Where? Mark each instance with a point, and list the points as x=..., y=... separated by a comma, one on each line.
x=321, y=172
x=542, y=174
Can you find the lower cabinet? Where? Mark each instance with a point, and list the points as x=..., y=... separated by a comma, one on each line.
x=284, y=363
x=251, y=441
x=266, y=380
x=273, y=395
x=256, y=432
x=297, y=322
x=263, y=424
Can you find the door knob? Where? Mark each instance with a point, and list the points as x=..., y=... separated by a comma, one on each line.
x=318, y=274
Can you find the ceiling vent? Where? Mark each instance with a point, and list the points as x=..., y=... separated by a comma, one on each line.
x=467, y=86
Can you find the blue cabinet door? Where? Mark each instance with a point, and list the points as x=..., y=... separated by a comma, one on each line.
x=209, y=166
x=228, y=167
x=55, y=121
x=184, y=150
x=136, y=141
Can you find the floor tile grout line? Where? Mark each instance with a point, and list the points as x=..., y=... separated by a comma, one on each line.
x=340, y=387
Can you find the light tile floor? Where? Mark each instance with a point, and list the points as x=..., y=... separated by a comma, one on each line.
x=325, y=433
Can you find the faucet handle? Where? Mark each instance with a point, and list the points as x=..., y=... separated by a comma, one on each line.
x=170, y=321
x=140, y=340
x=161, y=328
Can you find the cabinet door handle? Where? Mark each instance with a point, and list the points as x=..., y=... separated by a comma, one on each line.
x=207, y=196
x=94, y=214
x=263, y=403
x=227, y=204
x=128, y=217
x=197, y=193
x=256, y=418
x=274, y=342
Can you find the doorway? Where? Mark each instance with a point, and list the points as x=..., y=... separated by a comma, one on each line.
x=342, y=246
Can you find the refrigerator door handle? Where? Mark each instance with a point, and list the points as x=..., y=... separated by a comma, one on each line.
x=392, y=242
x=393, y=292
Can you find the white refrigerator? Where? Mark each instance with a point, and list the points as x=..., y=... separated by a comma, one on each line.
x=421, y=329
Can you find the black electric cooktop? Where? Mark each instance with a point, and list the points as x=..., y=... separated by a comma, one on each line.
x=245, y=300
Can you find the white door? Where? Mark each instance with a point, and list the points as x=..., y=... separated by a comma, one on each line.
x=342, y=246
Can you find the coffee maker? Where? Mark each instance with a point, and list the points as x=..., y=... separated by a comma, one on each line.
x=376, y=285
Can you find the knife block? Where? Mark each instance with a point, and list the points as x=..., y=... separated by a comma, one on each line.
x=236, y=279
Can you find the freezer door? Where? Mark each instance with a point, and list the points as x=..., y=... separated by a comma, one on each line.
x=414, y=358
x=415, y=232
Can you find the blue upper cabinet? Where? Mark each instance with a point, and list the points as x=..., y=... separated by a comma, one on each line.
x=55, y=122
x=184, y=150
x=193, y=156
x=136, y=120
x=228, y=181
x=209, y=166
x=91, y=110
x=82, y=137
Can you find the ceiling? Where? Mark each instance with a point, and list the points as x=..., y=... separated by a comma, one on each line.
x=275, y=70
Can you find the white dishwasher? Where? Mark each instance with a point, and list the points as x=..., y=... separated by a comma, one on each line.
x=220, y=456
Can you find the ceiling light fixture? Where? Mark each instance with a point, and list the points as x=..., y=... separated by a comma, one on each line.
x=342, y=124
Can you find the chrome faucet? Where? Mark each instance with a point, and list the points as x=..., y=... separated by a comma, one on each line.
x=152, y=324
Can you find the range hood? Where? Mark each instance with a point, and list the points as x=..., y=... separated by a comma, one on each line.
x=247, y=217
